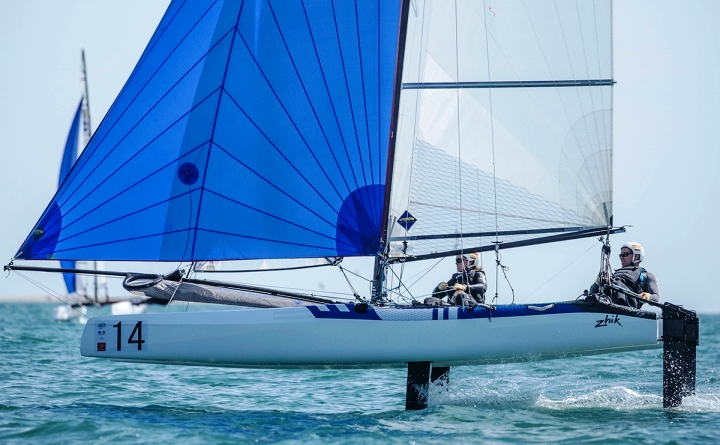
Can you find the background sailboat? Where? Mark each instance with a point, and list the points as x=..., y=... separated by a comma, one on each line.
x=83, y=290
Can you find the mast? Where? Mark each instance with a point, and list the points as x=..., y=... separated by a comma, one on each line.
x=381, y=265
x=87, y=132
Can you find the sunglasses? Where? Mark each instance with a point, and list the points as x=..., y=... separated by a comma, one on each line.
x=460, y=260
x=624, y=254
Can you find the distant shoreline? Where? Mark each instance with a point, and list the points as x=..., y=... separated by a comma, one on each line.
x=30, y=299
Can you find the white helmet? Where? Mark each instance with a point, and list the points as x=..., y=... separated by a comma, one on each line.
x=473, y=259
x=636, y=249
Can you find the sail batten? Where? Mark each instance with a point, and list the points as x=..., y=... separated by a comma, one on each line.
x=508, y=84
x=245, y=131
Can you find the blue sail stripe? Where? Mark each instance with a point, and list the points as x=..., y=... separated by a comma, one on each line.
x=134, y=155
x=292, y=121
x=379, y=100
x=89, y=212
x=270, y=215
x=362, y=83
x=312, y=107
x=238, y=235
x=139, y=122
x=308, y=182
x=327, y=88
x=42, y=243
x=271, y=184
x=84, y=159
x=214, y=127
x=156, y=38
x=347, y=90
x=134, y=238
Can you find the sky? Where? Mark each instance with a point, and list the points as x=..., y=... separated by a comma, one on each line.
x=666, y=146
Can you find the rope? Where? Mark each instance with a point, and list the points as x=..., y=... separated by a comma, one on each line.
x=499, y=265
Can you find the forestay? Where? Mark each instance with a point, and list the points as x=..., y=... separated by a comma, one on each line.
x=505, y=124
x=247, y=130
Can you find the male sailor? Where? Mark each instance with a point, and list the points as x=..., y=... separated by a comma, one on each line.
x=632, y=277
x=466, y=287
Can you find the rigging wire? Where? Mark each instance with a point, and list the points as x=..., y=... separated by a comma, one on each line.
x=400, y=283
x=492, y=144
x=425, y=272
x=55, y=294
x=561, y=270
x=457, y=97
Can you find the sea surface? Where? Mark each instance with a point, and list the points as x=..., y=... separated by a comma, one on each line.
x=50, y=394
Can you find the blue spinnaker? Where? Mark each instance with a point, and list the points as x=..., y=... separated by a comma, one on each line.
x=68, y=159
x=248, y=129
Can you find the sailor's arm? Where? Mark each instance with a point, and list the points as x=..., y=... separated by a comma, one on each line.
x=652, y=292
x=477, y=283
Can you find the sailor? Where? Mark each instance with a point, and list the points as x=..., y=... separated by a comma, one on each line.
x=476, y=268
x=466, y=287
x=632, y=277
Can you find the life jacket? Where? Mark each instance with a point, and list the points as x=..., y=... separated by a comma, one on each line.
x=634, y=279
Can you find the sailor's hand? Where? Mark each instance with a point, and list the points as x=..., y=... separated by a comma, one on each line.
x=459, y=287
x=442, y=286
x=645, y=296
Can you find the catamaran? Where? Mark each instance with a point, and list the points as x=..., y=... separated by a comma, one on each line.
x=284, y=134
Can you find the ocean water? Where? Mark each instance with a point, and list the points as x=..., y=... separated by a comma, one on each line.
x=50, y=394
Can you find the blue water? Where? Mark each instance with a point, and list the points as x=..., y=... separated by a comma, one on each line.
x=50, y=394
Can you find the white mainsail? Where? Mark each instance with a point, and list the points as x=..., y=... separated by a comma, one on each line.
x=505, y=123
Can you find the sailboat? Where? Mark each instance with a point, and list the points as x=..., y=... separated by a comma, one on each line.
x=285, y=134
x=82, y=292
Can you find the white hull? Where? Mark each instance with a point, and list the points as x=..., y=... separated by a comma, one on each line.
x=301, y=337
x=65, y=312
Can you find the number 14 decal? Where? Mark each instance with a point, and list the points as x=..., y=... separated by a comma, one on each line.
x=135, y=336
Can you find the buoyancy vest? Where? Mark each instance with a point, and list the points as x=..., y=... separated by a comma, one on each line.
x=634, y=278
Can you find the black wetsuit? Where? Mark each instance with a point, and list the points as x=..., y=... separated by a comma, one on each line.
x=476, y=287
x=635, y=279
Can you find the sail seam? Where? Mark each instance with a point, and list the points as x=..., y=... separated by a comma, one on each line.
x=330, y=99
x=139, y=121
x=350, y=103
x=364, y=95
x=329, y=249
x=107, y=133
x=312, y=106
x=299, y=133
x=276, y=187
x=42, y=242
x=133, y=156
x=214, y=127
x=132, y=186
x=320, y=195
x=272, y=216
